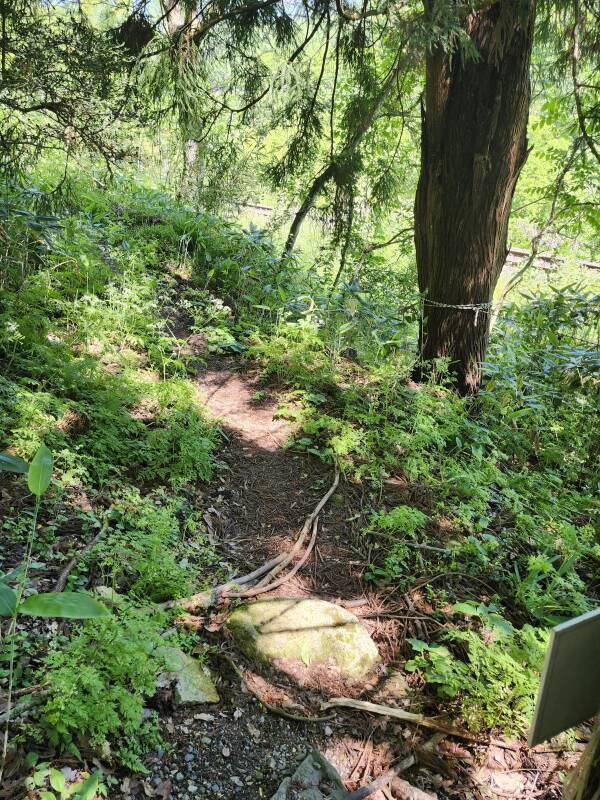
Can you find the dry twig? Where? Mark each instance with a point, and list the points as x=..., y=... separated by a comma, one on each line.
x=408, y=716
x=62, y=578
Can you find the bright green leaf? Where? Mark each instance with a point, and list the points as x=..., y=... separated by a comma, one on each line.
x=39, y=776
x=40, y=471
x=469, y=609
x=45, y=795
x=89, y=787
x=57, y=780
x=69, y=605
x=8, y=600
x=418, y=644
x=10, y=463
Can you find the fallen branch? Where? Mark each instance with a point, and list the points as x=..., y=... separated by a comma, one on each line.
x=417, y=719
x=385, y=778
x=62, y=578
x=280, y=712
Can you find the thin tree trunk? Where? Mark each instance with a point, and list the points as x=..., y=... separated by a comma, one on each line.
x=473, y=147
x=315, y=189
x=352, y=143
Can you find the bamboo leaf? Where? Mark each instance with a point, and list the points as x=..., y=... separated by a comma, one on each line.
x=10, y=463
x=67, y=605
x=8, y=600
x=40, y=471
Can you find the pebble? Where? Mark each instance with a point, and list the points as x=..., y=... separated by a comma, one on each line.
x=179, y=776
x=189, y=757
x=236, y=780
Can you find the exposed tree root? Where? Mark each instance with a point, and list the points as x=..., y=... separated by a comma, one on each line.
x=272, y=568
x=417, y=719
x=280, y=712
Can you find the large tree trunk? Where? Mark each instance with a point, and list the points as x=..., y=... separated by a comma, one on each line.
x=473, y=146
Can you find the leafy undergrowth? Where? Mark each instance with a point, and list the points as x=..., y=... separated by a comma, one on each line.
x=93, y=369
x=97, y=286
x=506, y=486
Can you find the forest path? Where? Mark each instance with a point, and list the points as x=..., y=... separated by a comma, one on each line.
x=254, y=510
x=266, y=492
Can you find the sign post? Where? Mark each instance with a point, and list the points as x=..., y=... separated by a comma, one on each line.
x=569, y=694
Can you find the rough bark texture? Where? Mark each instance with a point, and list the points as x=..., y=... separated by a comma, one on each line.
x=473, y=146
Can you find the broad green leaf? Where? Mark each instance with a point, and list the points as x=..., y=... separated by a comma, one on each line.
x=501, y=624
x=8, y=600
x=40, y=471
x=418, y=644
x=88, y=788
x=46, y=795
x=32, y=758
x=69, y=605
x=469, y=609
x=10, y=463
x=39, y=776
x=57, y=780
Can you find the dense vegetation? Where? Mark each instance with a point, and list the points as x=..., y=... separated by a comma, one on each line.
x=104, y=246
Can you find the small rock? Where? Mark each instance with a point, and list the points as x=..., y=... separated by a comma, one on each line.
x=193, y=681
x=163, y=789
x=179, y=777
x=226, y=751
x=108, y=595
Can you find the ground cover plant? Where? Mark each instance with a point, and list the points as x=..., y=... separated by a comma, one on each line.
x=379, y=222
x=91, y=372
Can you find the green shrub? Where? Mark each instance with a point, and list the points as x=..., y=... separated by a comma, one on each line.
x=156, y=547
x=494, y=673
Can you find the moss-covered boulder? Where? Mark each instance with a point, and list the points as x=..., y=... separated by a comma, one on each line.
x=312, y=631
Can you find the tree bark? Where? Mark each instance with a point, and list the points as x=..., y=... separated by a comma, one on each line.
x=473, y=146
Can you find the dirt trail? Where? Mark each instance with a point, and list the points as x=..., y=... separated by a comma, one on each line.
x=255, y=510
x=267, y=490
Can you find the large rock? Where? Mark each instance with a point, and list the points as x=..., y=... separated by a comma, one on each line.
x=312, y=631
x=191, y=679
